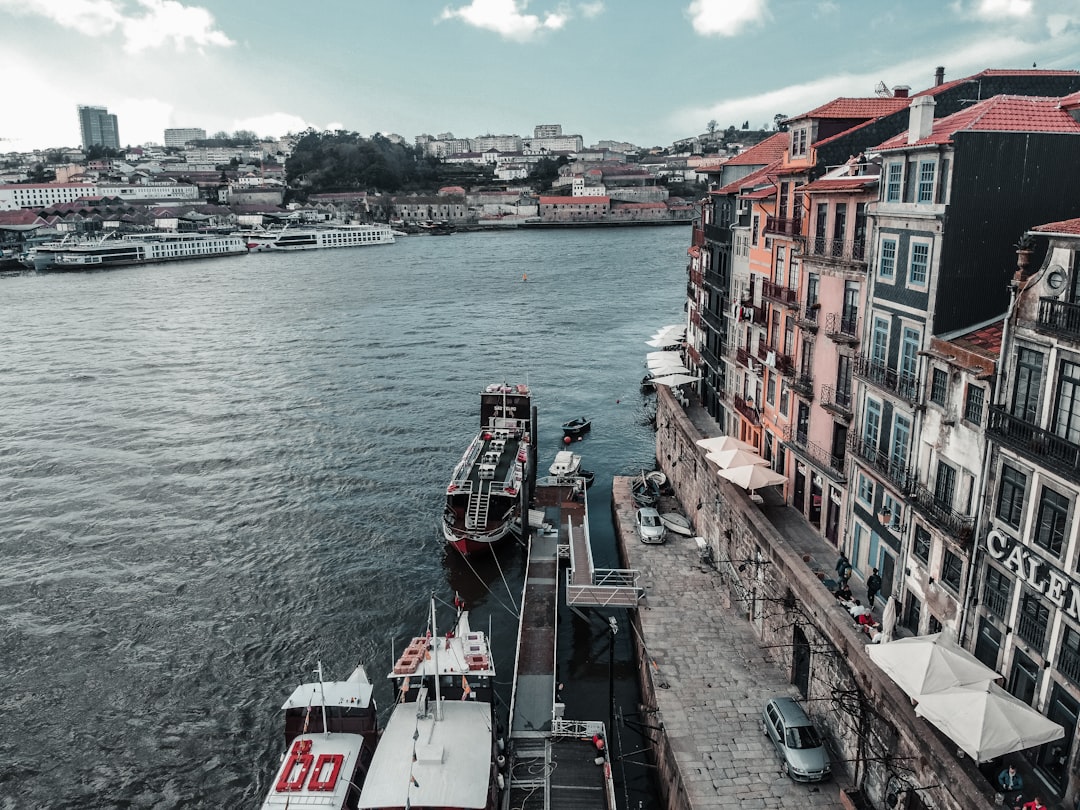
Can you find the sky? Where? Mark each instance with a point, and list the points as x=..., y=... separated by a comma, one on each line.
x=645, y=71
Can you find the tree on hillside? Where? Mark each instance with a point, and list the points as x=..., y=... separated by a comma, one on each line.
x=346, y=161
x=545, y=171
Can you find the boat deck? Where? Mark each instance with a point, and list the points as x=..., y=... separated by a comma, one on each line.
x=553, y=761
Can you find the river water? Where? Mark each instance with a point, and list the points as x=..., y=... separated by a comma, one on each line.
x=215, y=474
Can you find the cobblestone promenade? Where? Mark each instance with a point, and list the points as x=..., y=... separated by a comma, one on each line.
x=712, y=679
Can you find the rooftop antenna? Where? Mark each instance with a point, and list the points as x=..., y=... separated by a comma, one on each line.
x=882, y=91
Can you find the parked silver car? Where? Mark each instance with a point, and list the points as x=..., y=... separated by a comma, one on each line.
x=796, y=740
x=649, y=527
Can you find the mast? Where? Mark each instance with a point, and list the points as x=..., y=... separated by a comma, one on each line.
x=322, y=701
x=435, y=661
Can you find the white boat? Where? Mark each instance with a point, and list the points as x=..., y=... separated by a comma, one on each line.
x=674, y=522
x=439, y=748
x=496, y=474
x=566, y=465
x=334, y=236
x=331, y=730
x=145, y=248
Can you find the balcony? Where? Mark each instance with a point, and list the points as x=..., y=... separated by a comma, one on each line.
x=804, y=384
x=746, y=409
x=899, y=474
x=807, y=318
x=780, y=294
x=814, y=453
x=844, y=250
x=745, y=359
x=783, y=363
x=903, y=386
x=715, y=321
x=996, y=602
x=1059, y=318
x=783, y=226
x=949, y=521
x=1041, y=446
x=717, y=234
x=1031, y=630
x=748, y=313
x=705, y=354
x=842, y=327
x=1068, y=664
x=837, y=402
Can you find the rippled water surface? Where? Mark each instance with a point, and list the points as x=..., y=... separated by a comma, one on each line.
x=214, y=474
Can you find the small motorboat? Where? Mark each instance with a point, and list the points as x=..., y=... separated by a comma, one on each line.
x=675, y=522
x=588, y=476
x=576, y=427
x=567, y=464
x=646, y=492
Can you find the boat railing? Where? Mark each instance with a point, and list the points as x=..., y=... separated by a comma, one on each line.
x=576, y=728
x=461, y=471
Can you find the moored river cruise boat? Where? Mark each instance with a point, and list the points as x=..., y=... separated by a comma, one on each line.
x=331, y=730
x=334, y=236
x=490, y=487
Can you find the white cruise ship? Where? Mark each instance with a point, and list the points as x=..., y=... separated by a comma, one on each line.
x=336, y=236
x=143, y=249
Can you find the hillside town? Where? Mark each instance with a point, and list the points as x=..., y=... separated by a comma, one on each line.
x=193, y=183
x=884, y=303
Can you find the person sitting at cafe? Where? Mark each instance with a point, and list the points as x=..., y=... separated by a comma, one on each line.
x=1010, y=780
x=1034, y=804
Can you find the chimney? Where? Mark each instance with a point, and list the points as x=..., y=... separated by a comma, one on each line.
x=939, y=76
x=920, y=118
x=901, y=91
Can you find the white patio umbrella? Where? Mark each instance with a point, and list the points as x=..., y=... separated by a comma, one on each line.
x=669, y=359
x=985, y=721
x=673, y=380
x=717, y=444
x=667, y=371
x=726, y=459
x=752, y=476
x=923, y=665
x=660, y=343
x=663, y=356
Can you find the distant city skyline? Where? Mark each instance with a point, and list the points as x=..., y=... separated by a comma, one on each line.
x=645, y=72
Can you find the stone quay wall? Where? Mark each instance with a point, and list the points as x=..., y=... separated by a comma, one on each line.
x=879, y=746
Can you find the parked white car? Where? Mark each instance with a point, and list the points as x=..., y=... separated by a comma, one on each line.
x=649, y=527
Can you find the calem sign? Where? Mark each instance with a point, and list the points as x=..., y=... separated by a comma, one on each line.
x=1033, y=570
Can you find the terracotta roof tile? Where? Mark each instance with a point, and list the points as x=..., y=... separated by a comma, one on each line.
x=761, y=194
x=842, y=183
x=996, y=114
x=1071, y=101
x=1068, y=226
x=874, y=107
x=985, y=340
x=575, y=200
x=762, y=153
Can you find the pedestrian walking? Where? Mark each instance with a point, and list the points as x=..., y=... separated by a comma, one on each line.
x=873, y=586
x=841, y=564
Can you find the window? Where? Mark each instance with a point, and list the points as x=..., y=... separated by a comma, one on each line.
x=754, y=227
x=798, y=142
x=1067, y=410
x=1028, y=382
x=770, y=389
x=901, y=435
x=1011, y=495
x=866, y=490
x=1034, y=617
x=1053, y=515
x=996, y=592
x=926, y=181
x=973, y=406
x=939, y=382
x=785, y=397
x=778, y=270
x=887, y=265
x=892, y=183
x=879, y=346
x=1069, y=658
x=952, y=570
x=921, y=547
x=945, y=485
x=872, y=426
x=920, y=263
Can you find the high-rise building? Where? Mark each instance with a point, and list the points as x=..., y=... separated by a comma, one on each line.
x=180, y=137
x=99, y=127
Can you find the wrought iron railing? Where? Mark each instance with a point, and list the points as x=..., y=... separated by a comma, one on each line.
x=779, y=293
x=1059, y=317
x=996, y=601
x=1031, y=630
x=944, y=517
x=896, y=471
x=799, y=440
x=843, y=326
x=808, y=317
x=783, y=226
x=1039, y=445
x=747, y=409
x=804, y=384
x=784, y=363
x=852, y=250
x=1068, y=664
x=904, y=386
x=836, y=400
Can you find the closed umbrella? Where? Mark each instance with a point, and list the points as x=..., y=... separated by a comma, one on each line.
x=922, y=665
x=752, y=476
x=718, y=444
x=985, y=721
x=725, y=459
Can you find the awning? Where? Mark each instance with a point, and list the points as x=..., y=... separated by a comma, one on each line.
x=726, y=459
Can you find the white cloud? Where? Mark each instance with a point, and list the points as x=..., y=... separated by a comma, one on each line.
x=143, y=23
x=591, y=10
x=1060, y=24
x=506, y=18
x=726, y=18
x=276, y=124
x=1003, y=9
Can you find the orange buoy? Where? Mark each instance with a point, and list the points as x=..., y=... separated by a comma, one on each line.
x=566, y=440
